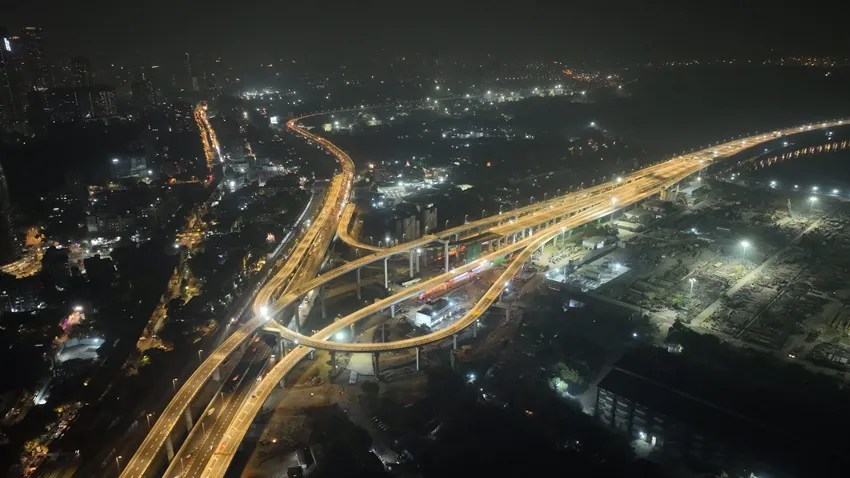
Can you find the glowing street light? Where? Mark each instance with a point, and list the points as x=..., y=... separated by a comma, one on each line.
x=593, y=124
x=773, y=184
x=744, y=245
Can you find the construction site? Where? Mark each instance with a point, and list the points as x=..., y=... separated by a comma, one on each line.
x=752, y=264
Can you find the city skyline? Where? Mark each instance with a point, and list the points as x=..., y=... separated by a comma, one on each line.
x=386, y=240
x=627, y=31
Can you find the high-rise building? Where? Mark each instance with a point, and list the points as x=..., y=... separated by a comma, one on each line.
x=144, y=96
x=8, y=244
x=31, y=43
x=81, y=72
x=11, y=91
x=103, y=101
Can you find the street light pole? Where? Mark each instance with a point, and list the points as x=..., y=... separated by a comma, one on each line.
x=744, y=246
x=691, y=280
x=118, y=462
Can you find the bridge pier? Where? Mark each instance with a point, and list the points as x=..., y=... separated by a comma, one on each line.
x=216, y=374
x=475, y=330
x=446, y=255
x=417, y=358
x=357, y=271
x=452, y=358
x=454, y=342
x=375, y=365
x=383, y=332
x=410, y=261
x=507, y=313
x=297, y=321
x=322, y=295
x=169, y=449
x=392, y=310
x=418, y=261
x=351, y=331
x=386, y=276
x=188, y=415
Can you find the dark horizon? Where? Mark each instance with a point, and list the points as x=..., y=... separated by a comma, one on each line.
x=253, y=32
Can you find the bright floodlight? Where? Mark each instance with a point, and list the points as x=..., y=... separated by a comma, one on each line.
x=340, y=335
x=813, y=198
x=264, y=311
x=78, y=308
x=773, y=184
x=745, y=244
x=592, y=124
x=835, y=191
x=814, y=188
x=618, y=179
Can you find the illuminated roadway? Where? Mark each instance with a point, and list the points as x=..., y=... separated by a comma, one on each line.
x=311, y=246
x=307, y=250
x=661, y=176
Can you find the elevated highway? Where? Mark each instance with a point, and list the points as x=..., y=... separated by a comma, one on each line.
x=518, y=232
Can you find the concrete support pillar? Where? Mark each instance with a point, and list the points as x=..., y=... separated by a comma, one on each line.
x=169, y=448
x=322, y=295
x=452, y=358
x=351, y=331
x=383, y=332
x=216, y=374
x=446, y=255
x=297, y=321
x=507, y=313
x=280, y=345
x=454, y=342
x=358, y=283
x=282, y=383
x=376, y=364
x=392, y=310
x=417, y=358
x=475, y=330
x=410, y=261
x=386, y=276
x=187, y=414
x=418, y=261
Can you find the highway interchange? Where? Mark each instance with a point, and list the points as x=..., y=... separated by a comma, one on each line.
x=507, y=233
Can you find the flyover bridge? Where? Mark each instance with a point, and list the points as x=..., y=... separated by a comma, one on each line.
x=518, y=232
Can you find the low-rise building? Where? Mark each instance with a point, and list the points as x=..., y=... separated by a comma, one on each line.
x=432, y=313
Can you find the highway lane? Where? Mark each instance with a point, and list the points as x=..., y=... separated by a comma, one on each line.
x=699, y=157
x=212, y=424
x=151, y=446
x=594, y=212
x=693, y=162
x=229, y=444
x=302, y=264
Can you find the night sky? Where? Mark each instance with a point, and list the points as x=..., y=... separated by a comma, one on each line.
x=154, y=30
